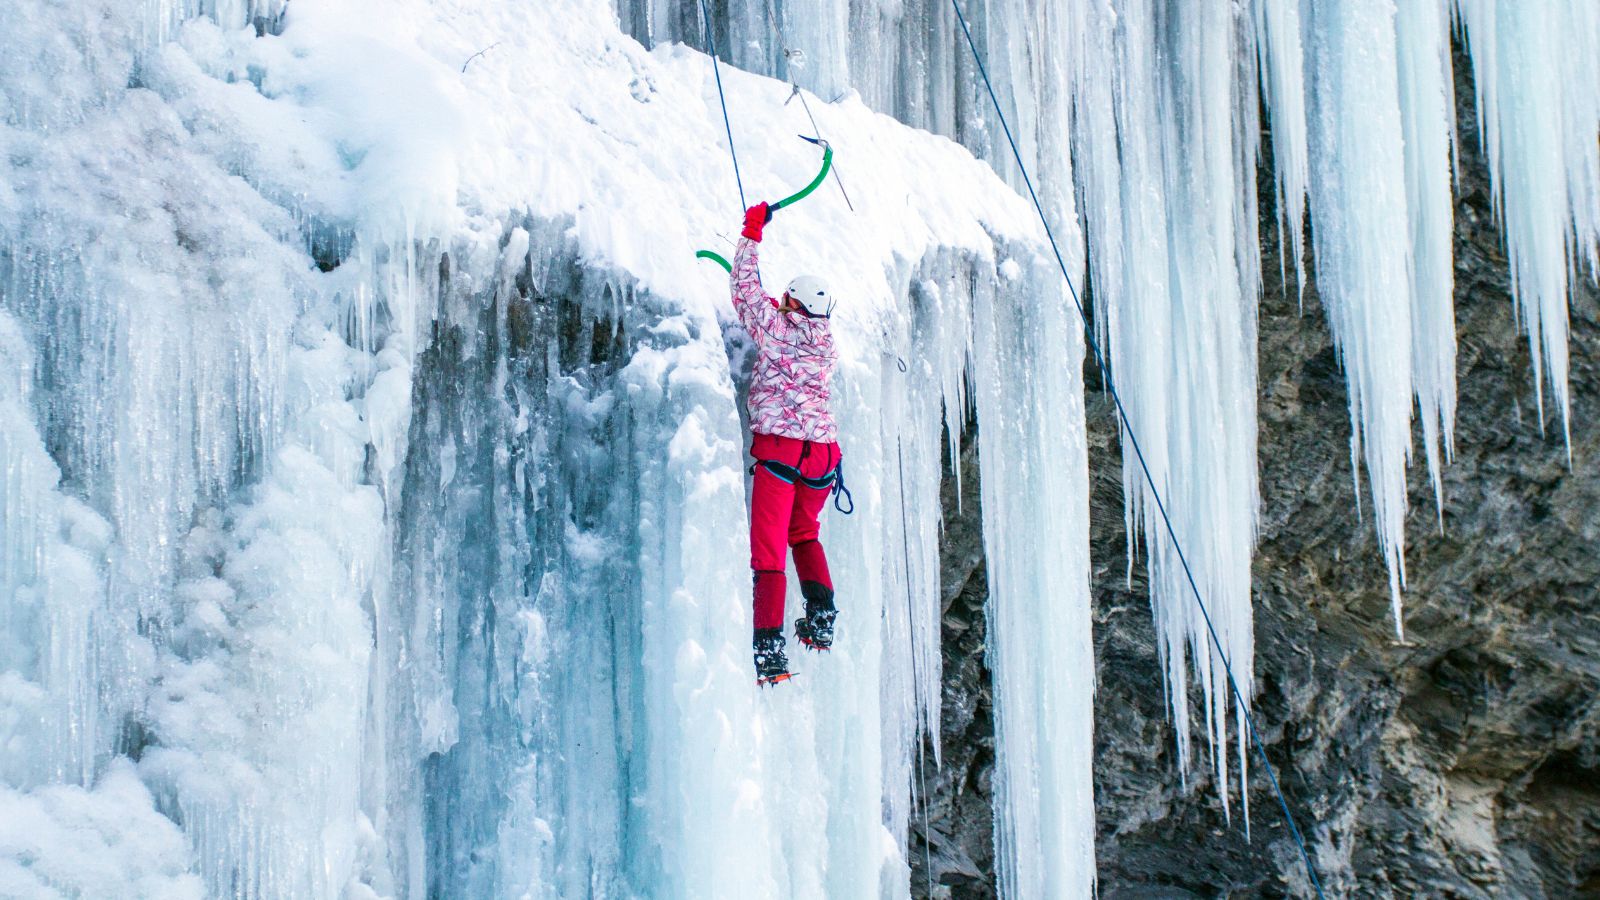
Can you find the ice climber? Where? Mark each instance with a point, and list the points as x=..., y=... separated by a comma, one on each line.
x=796, y=447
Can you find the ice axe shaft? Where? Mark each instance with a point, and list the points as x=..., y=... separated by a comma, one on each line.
x=822, y=174
x=836, y=179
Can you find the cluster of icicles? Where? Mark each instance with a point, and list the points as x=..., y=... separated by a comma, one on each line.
x=1151, y=110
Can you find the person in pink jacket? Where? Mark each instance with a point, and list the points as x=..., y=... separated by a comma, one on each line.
x=796, y=447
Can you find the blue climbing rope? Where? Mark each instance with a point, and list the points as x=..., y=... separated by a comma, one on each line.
x=711, y=45
x=1127, y=427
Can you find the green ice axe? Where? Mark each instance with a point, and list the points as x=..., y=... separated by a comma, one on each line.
x=716, y=258
x=827, y=164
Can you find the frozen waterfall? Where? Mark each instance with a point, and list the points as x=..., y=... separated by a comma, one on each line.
x=374, y=505
x=372, y=485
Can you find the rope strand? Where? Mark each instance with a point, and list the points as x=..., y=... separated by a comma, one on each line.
x=711, y=44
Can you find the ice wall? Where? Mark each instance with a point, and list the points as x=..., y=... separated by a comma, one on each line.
x=1158, y=103
x=391, y=533
x=906, y=58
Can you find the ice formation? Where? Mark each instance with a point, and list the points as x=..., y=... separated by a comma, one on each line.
x=1362, y=245
x=1165, y=137
x=373, y=503
x=1536, y=67
x=374, y=473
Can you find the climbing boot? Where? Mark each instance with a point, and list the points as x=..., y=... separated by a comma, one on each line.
x=816, y=629
x=772, y=666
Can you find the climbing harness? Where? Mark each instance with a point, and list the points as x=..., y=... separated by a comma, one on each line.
x=1133, y=441
x=835, y=479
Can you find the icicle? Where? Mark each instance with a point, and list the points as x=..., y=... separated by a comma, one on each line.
x=1167, y=172
x=51, y=594
x=1282, y=72
x=1031, y=445
x=1427, y=104
x=1536, y=68
x=1362, y=243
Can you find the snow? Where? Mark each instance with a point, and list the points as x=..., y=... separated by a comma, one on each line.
x=401, y=483
x=64, y=841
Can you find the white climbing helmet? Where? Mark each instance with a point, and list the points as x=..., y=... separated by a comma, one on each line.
x=812, y=294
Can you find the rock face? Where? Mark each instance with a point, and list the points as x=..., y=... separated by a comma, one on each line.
x=1463, y=763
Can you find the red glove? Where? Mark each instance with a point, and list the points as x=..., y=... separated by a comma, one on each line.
x=754, y=219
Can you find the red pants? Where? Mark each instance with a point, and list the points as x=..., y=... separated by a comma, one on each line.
x=784, y=516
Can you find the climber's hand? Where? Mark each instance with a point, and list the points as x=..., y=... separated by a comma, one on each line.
x=754, y=219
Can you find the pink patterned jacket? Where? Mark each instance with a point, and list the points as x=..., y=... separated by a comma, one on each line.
x=789, y=388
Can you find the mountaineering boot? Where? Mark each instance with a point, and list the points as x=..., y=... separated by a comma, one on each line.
x=816, y=629
x=772, y=666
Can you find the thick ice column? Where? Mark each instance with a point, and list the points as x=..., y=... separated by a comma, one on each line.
x=1362, y=240
x=51, y=595
x=1536, y=68
x=715, y=787
x=1166, y=154
x=1028, y=388
x=1427, y=107
x=261, y=706
x=904, y=457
